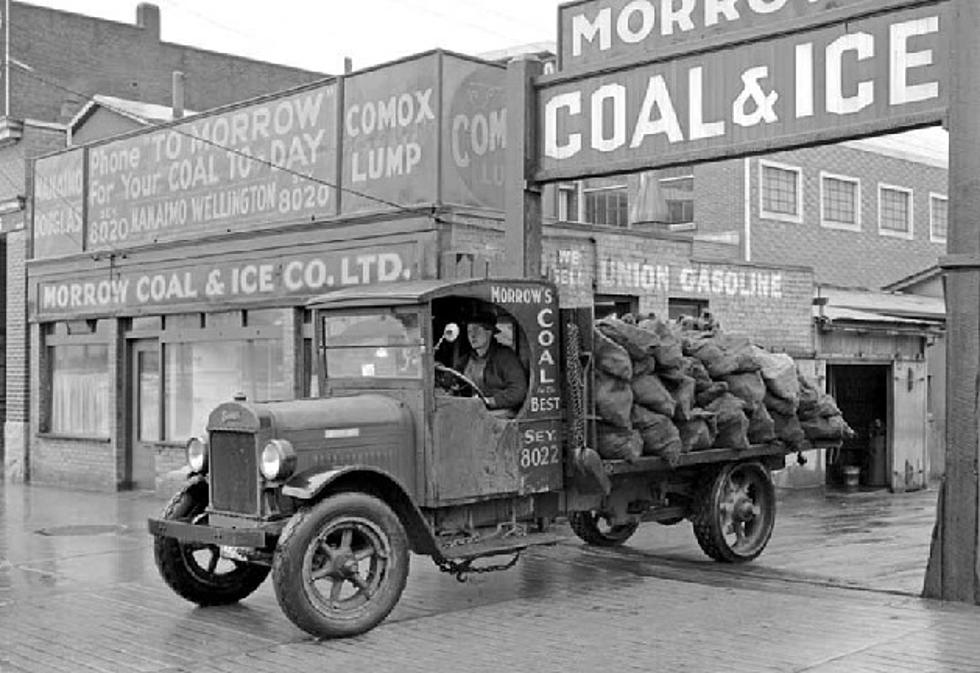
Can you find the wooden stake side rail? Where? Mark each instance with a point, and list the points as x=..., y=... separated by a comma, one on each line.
x=658, y=464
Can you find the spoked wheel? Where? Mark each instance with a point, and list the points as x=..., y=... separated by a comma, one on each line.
x=593, y=528
x=736, y=513
x=341, y=565
x=197, y=572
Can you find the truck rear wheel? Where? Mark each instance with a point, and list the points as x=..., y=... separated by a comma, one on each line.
x=198, y=572
x=735, y=513
x=341, y=565
x=589, y=527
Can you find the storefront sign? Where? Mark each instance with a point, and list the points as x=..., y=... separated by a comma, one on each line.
x=390, y=132
x=594, y=33
x=263, y=164
x=878, y=74
x=475, y=133
x=263, y=278
x=59, y=200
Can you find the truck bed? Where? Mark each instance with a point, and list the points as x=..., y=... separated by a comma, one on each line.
x=658, y=464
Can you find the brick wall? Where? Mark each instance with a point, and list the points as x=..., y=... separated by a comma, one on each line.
x=90, y=55
x=862, y=258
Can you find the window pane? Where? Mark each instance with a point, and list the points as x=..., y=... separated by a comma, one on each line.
x=365, y=345
x=840, y=201
x=148, y=404
x=80, y=390
x=779, y=190
x=894, y=214
x=940, y=217
x=201, y=375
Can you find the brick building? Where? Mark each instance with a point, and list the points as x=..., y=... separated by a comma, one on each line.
x=58, y=62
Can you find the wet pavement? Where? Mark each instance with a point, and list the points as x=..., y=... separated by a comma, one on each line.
x=836, y=590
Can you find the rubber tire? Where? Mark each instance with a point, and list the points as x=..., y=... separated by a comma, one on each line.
x=185, y=576
x=707, y=524
x=586, y=526
x=302, y=530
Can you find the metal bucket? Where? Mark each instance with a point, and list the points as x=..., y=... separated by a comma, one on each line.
x=852, y=476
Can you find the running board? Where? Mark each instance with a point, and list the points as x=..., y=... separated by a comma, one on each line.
x=497, y=546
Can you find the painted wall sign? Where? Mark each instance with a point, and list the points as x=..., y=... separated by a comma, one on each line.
x=59, y=200
x=474, y=133
x=294, y=275
x=198, y=177
x=877, y=74
x=594, y=33
x=570, y=269
x=390, y=132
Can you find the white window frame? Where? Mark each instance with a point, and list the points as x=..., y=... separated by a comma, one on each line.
x=680, y=226
x=908, y=236
x=932, y=230
x=576, y=188
x=781, y=217
x=834, y=224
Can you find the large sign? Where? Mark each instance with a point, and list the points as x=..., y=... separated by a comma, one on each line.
x=882, y=73
x=58, y=206
x=267, y=163
x=390, y=136
x=259, y=278
x=597, y=33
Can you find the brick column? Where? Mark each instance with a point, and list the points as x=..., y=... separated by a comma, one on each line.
x=16, y=431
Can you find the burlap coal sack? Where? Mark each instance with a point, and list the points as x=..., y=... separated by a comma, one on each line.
x=681, y=388
x=610, y=357
x=762, y=427
x=649, y=391
x=619, y=444
x=778, y=405
x=698, y=433
x=828, y=428
x=788, y=429
x=748, y=387
x=614, y=400
x=639, y=343
x=668, y=352
x=693, y=368
x=733, y=424
x=660, y=436
x=779, y=372
x=710, y=394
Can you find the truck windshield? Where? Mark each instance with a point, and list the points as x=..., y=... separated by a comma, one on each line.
x=377, y=344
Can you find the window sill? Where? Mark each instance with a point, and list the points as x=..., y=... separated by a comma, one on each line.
x=74, y=438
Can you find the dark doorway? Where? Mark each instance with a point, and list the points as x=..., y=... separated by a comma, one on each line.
x=861, y=392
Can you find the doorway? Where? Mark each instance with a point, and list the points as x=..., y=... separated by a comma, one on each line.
x=861, y=392
x=144, y=412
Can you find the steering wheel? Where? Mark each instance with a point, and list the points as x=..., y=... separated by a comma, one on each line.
x=463, y=379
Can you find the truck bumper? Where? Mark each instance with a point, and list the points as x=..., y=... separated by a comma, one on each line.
x=256, y=538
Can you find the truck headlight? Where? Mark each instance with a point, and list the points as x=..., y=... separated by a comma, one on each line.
x=197, y=455
x=278, y=460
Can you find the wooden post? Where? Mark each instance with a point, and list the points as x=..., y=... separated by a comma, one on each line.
x=952, y=573
x=522, y=198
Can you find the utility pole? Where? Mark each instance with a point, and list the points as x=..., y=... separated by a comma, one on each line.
x=954, y=559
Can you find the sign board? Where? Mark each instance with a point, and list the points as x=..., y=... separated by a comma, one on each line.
x=259, y=278
x=199, y=178
x=882, y=73
x=600, y=33
x=390, y=136
x=58, y=204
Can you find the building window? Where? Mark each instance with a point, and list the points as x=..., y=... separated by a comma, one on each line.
x=781, y=193
x=678, y=193
x=569, y=202
x=840, y=202
x=79, y=403
x=678, y=308
x=894, y=211
x=606, y=202
x=938, y=217
x=205, y=368
x=615, y=304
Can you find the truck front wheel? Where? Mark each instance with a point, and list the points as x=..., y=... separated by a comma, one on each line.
x=341, y=565
x=590, y=528
x=736, y=512
x=198, y=572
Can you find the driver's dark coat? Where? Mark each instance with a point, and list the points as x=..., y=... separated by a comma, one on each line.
x=504, y=378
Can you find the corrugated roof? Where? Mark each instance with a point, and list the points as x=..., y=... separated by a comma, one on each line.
x=887, y=307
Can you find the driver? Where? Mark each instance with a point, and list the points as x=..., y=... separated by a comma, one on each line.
x=492, y=365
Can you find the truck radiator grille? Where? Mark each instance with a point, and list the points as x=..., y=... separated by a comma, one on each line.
x=234, y=473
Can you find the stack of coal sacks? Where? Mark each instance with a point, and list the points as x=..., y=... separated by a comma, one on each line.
x=663, y=389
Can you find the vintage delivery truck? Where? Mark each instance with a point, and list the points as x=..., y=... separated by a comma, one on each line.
x=398, y=455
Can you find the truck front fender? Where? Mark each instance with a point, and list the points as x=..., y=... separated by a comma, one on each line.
x=318, y=483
